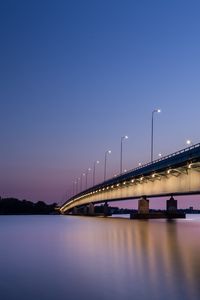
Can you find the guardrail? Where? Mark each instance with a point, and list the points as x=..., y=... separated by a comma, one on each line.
x=162, y=158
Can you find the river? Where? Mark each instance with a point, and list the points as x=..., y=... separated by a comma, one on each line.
x=71, y=257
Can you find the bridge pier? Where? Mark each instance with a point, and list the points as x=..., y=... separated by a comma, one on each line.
x=75, y=211
x=85, y=210
x=171, y=205
x=106, y=209
x=143, y=209
x=91, y=211
x=172, y=211
x=143, y=206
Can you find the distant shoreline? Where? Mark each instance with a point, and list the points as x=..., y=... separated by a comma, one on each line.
x=13, y=206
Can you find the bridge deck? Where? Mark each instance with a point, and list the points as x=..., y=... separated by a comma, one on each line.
x=175, y=160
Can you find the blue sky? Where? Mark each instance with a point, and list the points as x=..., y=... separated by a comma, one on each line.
x=77, y=75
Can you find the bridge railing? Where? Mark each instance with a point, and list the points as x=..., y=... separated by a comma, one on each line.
x=163, y=158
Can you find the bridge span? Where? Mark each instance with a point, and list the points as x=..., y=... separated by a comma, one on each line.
x=174, y=174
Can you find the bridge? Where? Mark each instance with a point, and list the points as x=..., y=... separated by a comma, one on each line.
x=174, y=174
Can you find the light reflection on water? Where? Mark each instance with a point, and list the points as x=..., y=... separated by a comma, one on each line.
x=66, y=257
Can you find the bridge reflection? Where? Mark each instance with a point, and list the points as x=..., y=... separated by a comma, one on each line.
x=151, y=256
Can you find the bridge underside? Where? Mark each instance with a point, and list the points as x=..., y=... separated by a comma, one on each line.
x=180, y=181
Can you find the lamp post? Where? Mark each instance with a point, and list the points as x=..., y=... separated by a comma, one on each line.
x=105, y=162
x=66, y=196
x=86, y=177
x=122, y=139
x=78, y=185
x=152, y=117
x=94, y=171
x=74, y=187
x=81, y=183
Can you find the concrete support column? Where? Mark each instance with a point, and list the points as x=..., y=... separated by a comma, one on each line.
x=171, y=205
x=75, y=211
x=106, y=209
x=143, y=206
x=85, y=210
x=91, y=209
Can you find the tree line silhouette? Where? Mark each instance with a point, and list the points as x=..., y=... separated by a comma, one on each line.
x=15, y=206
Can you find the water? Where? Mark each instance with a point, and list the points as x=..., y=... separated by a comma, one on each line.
x=66, y=257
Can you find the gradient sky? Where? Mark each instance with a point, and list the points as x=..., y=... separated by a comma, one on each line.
x=77, y=75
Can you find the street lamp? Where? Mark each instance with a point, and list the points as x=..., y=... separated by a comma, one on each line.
x=122, y=139
x=78, y=185
x=83, y=174
x=66, y=195
x=94, y=170
x=86, y=178
x=152, y=116
x=105, y=162
x=74, y=187
x=189, y=142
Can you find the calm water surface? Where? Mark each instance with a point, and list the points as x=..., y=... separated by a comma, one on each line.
x=66, y=257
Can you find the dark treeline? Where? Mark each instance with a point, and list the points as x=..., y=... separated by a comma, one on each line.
x=12, y=206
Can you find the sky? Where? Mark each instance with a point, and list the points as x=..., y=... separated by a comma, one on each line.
x=77, y=75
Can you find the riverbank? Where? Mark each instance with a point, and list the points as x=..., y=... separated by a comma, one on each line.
x=13, y=206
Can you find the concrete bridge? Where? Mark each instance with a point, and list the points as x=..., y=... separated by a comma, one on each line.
x=175, y=174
